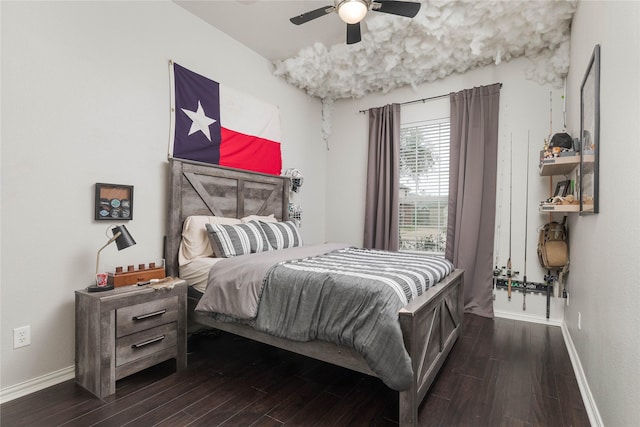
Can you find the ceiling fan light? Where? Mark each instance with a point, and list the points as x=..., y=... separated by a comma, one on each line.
x=352, y=11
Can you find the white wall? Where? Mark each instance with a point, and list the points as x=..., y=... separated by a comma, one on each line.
x=605, y=257
x=524, y=114
x=85, y=99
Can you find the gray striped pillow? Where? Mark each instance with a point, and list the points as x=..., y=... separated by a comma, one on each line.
x=240, y=239
x=281, y=235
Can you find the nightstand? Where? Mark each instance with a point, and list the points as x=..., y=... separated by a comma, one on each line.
x=126, y=330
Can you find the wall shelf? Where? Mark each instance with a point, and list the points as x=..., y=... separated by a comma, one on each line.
x=563, y=165
x=549, y=207
x=559, y=165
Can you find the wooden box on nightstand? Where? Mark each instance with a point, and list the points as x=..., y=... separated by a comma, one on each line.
x=126, y=330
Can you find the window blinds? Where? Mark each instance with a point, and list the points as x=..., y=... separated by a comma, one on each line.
x=424, y=185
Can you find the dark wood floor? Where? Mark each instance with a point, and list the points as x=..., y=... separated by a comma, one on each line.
x=500, y=373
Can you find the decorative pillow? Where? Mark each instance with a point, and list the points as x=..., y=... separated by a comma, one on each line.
x=195, y=240
x=270, y=218
x=282, y=235
x=240, y=239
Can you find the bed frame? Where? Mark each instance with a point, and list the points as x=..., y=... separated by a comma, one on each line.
x=430, y=324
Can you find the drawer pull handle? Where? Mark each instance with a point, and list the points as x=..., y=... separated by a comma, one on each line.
x=146, y=316
x=147, y=342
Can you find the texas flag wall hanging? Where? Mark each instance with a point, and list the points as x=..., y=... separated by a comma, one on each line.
x=215, y=124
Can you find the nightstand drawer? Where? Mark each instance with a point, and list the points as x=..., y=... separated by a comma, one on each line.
x=142, y=344
x=139, y=317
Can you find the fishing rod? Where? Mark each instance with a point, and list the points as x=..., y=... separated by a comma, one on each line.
x=509, y=272
x=526, y=217
x=497, y=270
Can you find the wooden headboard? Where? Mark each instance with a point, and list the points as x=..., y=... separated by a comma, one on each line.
x=203, y=189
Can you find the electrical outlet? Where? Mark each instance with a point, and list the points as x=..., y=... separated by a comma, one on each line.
x=21, y=336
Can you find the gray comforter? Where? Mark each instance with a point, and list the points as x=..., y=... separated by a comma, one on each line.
x=235, y=284
x=346, y=296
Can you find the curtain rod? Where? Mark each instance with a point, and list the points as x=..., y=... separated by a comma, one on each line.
x=415, y=101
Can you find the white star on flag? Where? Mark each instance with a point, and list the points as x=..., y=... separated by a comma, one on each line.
x=200, y=122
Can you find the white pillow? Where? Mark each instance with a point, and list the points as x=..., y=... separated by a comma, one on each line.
x=195, y=239
x=270, y=218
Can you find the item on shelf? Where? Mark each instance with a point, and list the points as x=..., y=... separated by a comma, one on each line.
x=144, y=273
x=568, y=154
x=560, y=200
x=561, y=145
x=561, y=140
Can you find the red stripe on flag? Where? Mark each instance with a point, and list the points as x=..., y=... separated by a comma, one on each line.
x=241, y=151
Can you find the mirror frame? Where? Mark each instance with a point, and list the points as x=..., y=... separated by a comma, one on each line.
x=590, y=135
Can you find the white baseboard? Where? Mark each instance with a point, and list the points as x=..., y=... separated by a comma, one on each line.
x=585, y=391
x=37, y=384
x=526, y=318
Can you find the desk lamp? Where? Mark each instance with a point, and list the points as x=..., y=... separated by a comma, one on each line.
x=123, y=240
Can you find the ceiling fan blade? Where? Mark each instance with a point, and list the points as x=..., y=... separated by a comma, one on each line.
x=313, y=14
x=353, y=33
x=401, y=8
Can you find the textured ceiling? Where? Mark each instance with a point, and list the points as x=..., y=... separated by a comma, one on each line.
x=445, y=37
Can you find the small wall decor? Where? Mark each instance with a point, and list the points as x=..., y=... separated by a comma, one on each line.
x=590, y=135
x=114, y=202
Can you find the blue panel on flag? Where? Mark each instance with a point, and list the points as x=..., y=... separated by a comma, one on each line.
x=197, y=117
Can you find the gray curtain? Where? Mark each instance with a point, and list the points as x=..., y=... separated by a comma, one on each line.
x=472, y=192
x=381, y=208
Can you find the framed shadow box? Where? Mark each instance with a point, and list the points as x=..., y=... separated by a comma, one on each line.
x=590, y=135
x=562, y=188
x=114, y=202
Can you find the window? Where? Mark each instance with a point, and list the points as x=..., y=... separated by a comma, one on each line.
x=424, y=185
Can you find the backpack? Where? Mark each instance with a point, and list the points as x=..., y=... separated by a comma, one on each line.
x=561, y=140
x=553, y=247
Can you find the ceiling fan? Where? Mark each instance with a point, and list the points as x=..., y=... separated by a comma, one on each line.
x=354, y=11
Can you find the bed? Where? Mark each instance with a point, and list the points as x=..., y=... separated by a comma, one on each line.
x=430, y=323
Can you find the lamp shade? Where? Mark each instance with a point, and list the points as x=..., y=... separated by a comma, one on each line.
x=352, y=11
x=124, y=240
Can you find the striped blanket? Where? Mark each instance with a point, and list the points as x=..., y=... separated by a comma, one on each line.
x=328, y=292
x=350, y=297
x=408, y=274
